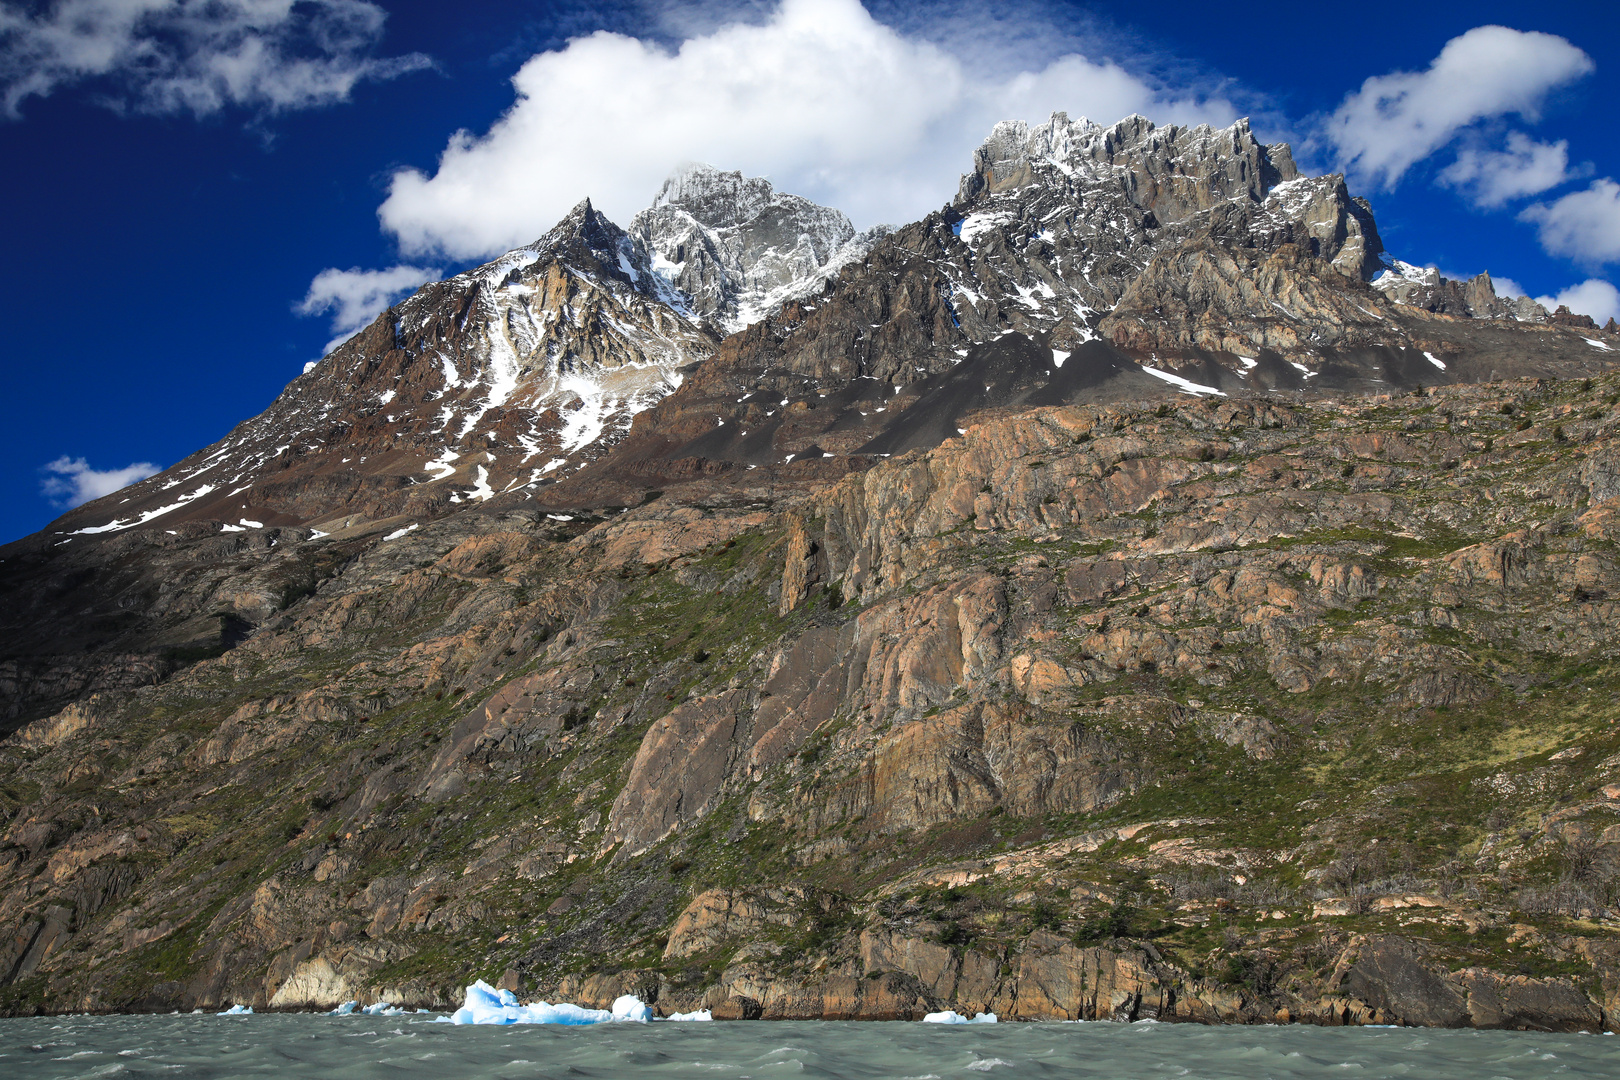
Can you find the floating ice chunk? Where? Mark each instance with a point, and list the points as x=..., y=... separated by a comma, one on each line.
x=1058, y=356
x=382, y=1008
x=628, y=1007
x=397, y=533
x=701, y=1014
x=1596, y=344
x=484, y=1004
x=1435, y=360
x=1187, y=386
x=951, y=1017
x=237, y=1010
x=345, y=1009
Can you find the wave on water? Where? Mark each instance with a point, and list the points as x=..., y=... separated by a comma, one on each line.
x=405, y=1047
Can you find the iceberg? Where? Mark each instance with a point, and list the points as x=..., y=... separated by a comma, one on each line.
x=701, y=1014
x=237, y=1010
x=628, y=1007
x=950, y=1017
x=344, y=1009
x=484, y=1004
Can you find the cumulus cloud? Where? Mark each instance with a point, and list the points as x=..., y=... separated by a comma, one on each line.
x=195, y=56
x=1594, y=297
x=354, y=297
x=1493, y=177
x=1397, y=120
x=1583, y=225
x=818, y=95
x=70, y=481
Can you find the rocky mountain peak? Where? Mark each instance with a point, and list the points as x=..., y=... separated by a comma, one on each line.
x=1173, y=171
x=737, y=248
x=714, y=197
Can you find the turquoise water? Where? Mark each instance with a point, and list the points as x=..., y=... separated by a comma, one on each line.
x=358, y=1048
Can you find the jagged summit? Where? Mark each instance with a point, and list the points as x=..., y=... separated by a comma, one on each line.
x=1172, y=170
x=737, y=248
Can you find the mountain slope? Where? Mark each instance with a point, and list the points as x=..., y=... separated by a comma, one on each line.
x=1109, y=597
x=1110, y=711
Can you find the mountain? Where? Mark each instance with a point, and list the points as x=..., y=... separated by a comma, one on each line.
x=1131, y=261
x=737, y=249
x=1127, y=592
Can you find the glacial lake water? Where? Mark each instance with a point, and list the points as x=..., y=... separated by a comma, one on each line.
x=358, y=1048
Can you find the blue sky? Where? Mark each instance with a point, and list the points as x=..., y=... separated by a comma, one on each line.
x=199, y=197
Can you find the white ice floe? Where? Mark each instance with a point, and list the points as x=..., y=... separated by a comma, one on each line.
x=484, y=1004
x=1186, y=386
x=628, y=1007
x=376, y=1008
x=237, y=1010
x=1596, y=344
x=1058, y=356
x=701, y=1014
x=397, y=533
x=1435, y=360
x=951, y=1017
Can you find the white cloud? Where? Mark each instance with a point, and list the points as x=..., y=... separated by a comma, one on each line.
x=1398, y=119
x=355, y=296
x=196, y=56
x=69, y=481
x=1594, y=297
x=818, y=95
x=1526, y=167
x=1507, y=287
x=1584, y=225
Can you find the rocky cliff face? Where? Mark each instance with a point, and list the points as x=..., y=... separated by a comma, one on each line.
x=1110, y=711
x=1096, y=601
